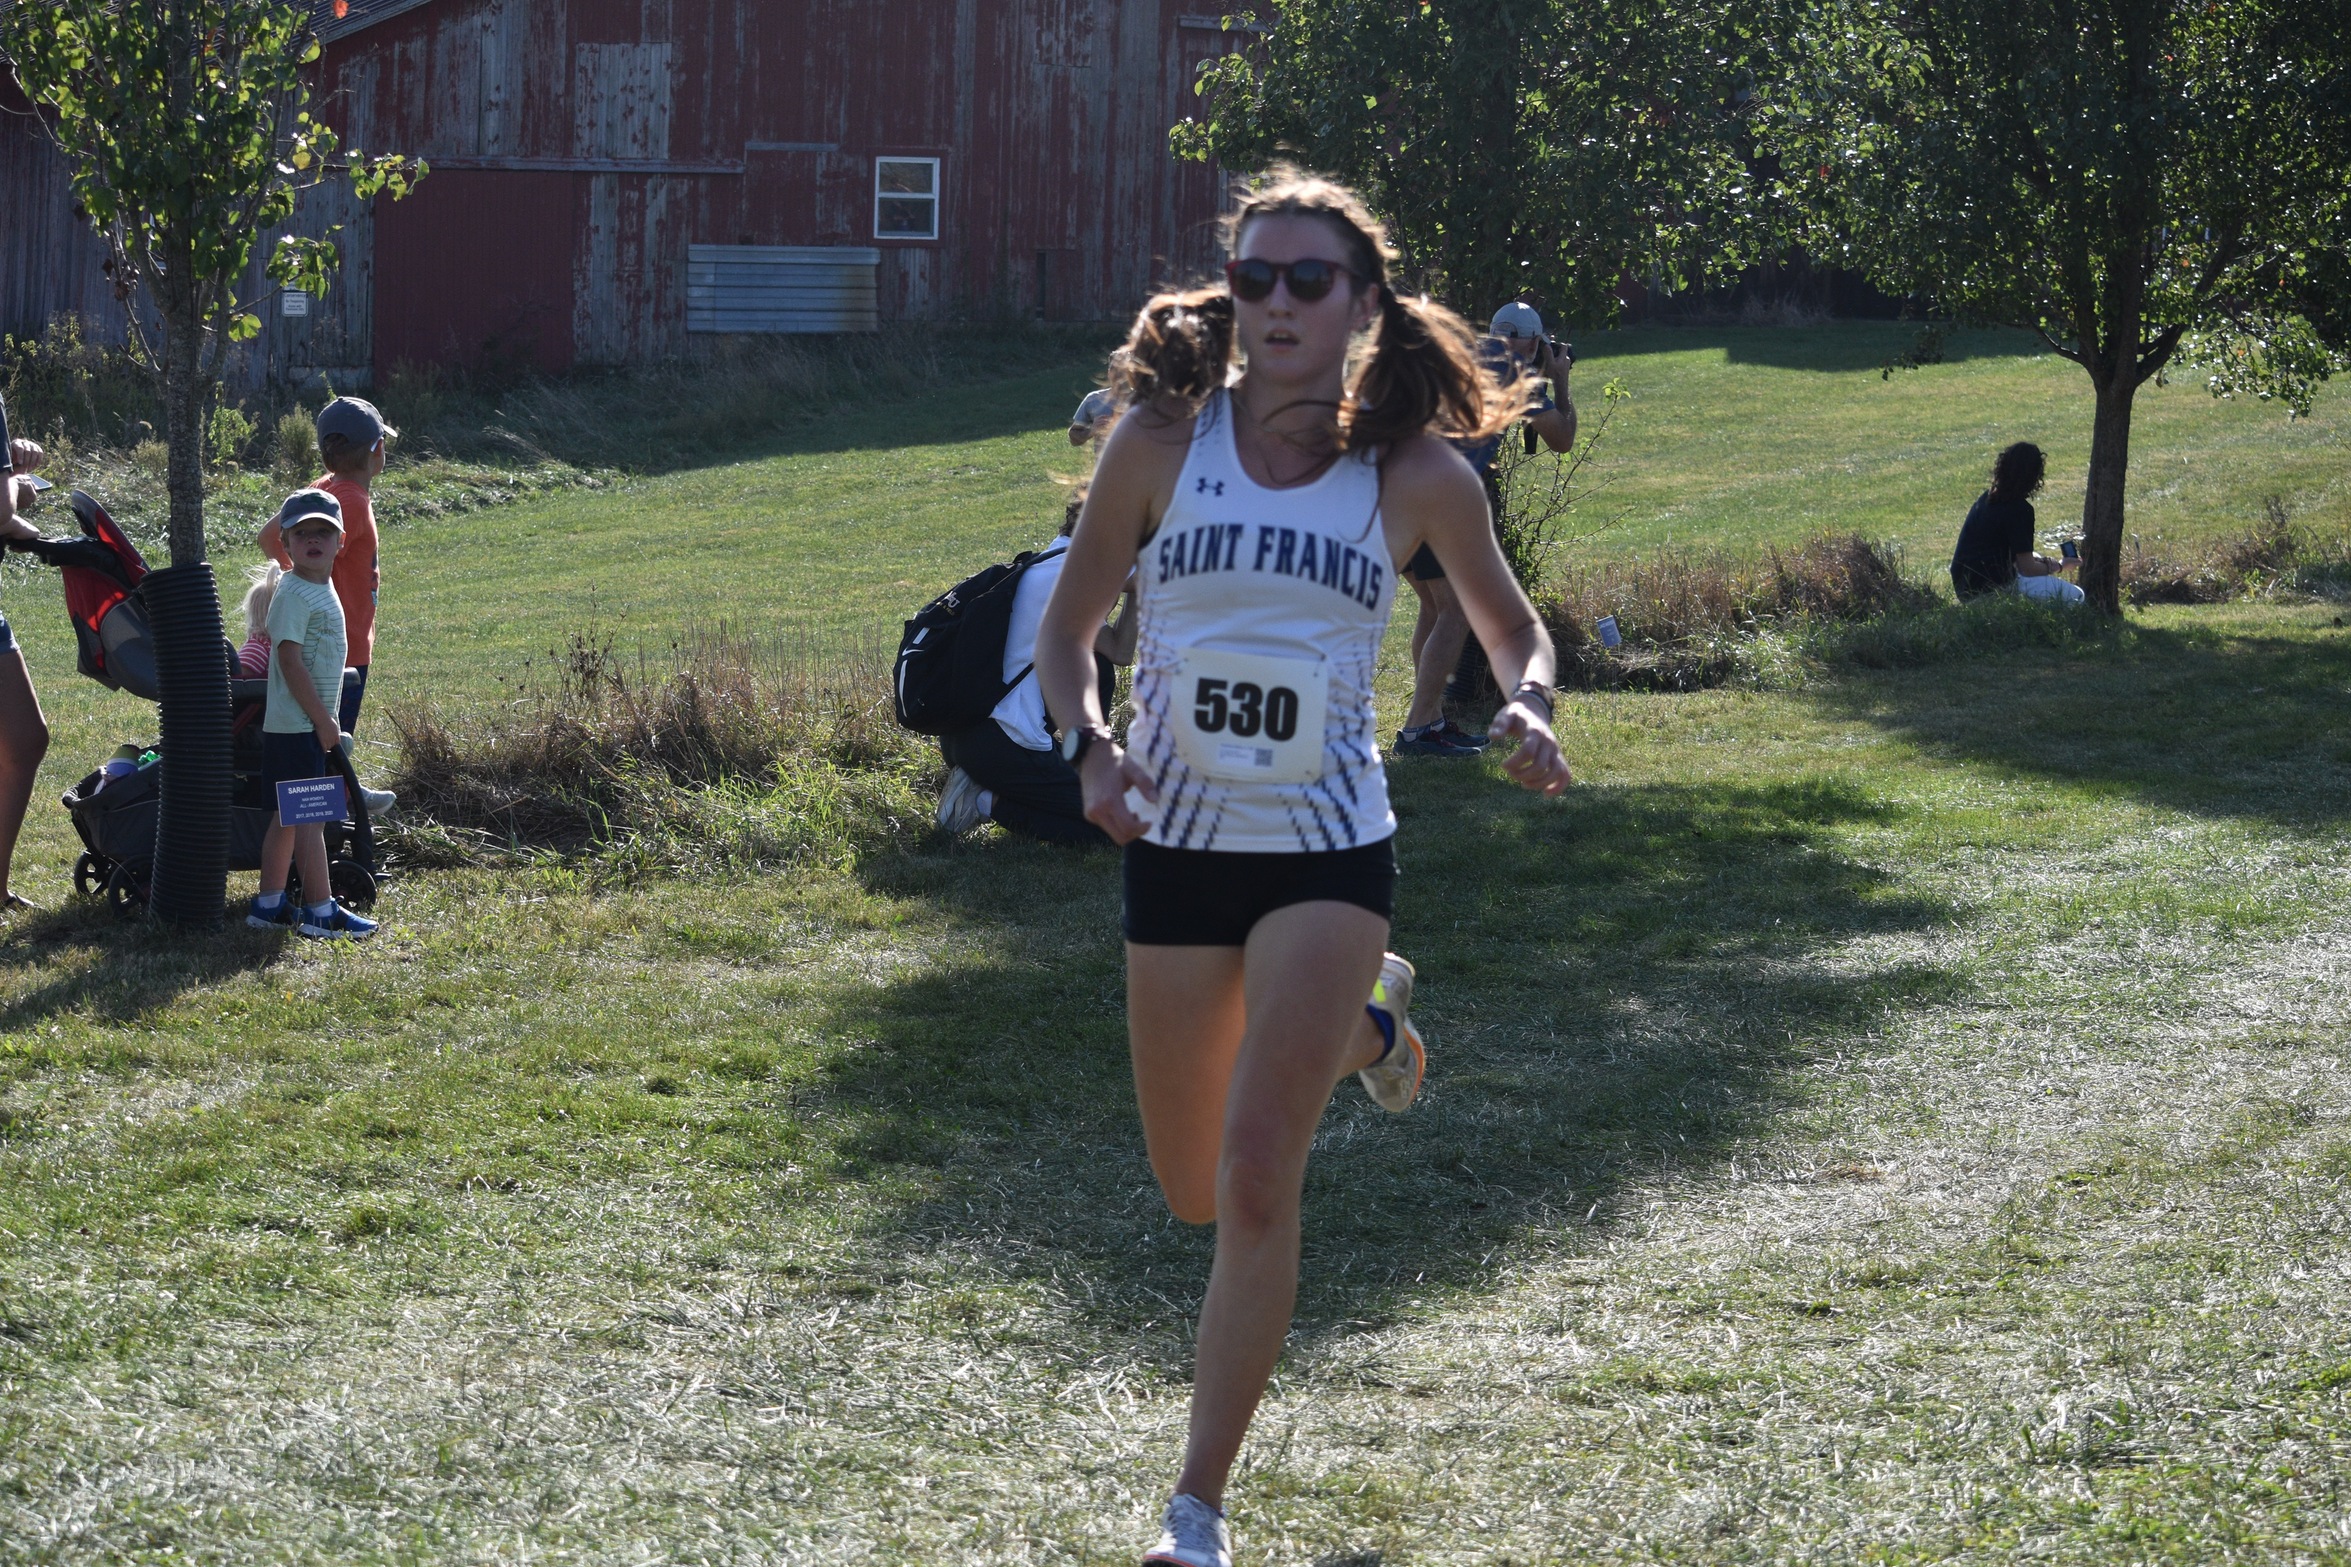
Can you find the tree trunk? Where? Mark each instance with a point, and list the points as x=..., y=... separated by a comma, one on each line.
x=183, y=401
x=192, y=667
x=2102, y=498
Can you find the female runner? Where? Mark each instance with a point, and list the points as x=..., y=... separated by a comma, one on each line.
x=1265, y=521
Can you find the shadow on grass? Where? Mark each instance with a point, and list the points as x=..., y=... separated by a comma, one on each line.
x=1615, y=985
x=2195, y=718
x=1832, y=348
x=121, y=971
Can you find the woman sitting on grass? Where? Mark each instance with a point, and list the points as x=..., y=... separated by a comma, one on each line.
x=1264, y=521
x=1996, y=542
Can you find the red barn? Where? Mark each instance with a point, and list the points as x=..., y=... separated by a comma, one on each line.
x=613, y=178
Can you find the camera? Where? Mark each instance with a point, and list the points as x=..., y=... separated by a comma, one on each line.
x=1562, y=353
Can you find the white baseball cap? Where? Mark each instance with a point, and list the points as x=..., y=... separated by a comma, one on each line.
x=1517, y=319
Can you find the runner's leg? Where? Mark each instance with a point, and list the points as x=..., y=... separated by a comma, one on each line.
x=24, y=741
x=1184, y=1023
x=1308, y=968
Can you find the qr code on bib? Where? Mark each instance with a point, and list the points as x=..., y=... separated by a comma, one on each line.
x=1257, y=756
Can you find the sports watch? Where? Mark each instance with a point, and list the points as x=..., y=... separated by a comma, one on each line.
x=1075, y=741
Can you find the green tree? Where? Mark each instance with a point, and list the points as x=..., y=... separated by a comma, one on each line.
x=1514, y=147
x=186, y=127
x=2141, y=182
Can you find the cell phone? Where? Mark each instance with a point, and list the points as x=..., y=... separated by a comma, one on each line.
x=38, y=483
x=2069, y=549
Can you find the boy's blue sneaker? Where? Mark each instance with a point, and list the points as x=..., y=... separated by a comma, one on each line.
x=284, y=917
x=337, y=924
x=1431, y=740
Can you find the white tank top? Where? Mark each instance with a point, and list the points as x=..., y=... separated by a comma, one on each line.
x=1260, y=609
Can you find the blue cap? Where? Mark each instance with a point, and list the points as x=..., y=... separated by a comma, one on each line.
x=309, y=505
x=354, y=419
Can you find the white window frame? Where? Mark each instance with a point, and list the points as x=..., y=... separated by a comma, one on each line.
x=936, y=198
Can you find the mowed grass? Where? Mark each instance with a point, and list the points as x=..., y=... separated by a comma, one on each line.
x=1896, y=1119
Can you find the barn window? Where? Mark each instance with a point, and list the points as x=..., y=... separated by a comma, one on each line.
x=906, y=198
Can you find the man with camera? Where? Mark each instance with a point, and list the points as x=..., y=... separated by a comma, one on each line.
x=1515, y=347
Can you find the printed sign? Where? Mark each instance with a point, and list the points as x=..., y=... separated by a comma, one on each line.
x=303, y=800
x=293, y=302
x=1609, y=635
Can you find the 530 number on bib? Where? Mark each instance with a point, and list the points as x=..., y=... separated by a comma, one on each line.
x=1244, y=708
x=1251, y=717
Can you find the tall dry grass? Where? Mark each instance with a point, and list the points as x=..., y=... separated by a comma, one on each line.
x=721, y=750
x=1691, y=619
x=2274, y=554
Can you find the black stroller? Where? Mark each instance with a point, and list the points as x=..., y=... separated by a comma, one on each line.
x=115, y=812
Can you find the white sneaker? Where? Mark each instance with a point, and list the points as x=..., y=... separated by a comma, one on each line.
x=379, y=801
x=1393, y=1081
x=1191, y=1534
x=959, y=803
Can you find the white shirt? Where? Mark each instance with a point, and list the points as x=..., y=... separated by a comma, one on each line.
x=1021, y=715
x=1237, y=568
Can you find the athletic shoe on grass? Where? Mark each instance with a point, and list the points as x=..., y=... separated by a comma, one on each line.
x=959, y=803
x=340, y=925
x=1431, y=740
x=284, y=917
x=1393, y=1081
x=1191, y=1534
x=379, y=801
x=1460, y=736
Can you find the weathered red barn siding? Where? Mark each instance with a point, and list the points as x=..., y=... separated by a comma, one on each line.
x=669, y=123
x=50, y=260
x=580, y=146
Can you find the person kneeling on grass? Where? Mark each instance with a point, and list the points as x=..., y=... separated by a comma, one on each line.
x=1008, y=767
x=1996, y=542
x=297, y=729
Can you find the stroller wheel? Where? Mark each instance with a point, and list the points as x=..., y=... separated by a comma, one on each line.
x=354, y=886
x=126, y=890
x=90, y=873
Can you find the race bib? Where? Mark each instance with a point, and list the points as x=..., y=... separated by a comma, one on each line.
x=1250, y=717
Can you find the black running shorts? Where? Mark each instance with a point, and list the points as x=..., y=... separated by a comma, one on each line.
x=1209, y=898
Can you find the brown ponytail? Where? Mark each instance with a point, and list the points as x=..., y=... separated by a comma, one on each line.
x=1423, y=374
x=1177, y=353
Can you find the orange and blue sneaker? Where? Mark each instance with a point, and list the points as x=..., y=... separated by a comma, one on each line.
x=1393, y=1081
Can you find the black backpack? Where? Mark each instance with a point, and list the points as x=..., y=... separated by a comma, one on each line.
x=950, y=669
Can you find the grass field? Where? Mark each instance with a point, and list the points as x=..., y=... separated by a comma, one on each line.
x=1897, y=1118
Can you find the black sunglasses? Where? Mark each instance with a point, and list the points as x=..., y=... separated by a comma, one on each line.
x=1309, y=280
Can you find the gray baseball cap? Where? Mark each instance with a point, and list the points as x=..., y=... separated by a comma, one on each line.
x=309, y=505
x=1517, y=319
x=354, y=419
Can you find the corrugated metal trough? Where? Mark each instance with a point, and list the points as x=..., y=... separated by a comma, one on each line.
x=782, y=288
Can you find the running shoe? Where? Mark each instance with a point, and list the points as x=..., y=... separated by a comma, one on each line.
x=1191, y=1534
x=1393, y=1081
x=1460, y=736
x=340, y=925
x=379, y=801
x=1431, y=740
x=284, y=917
x=959, y=803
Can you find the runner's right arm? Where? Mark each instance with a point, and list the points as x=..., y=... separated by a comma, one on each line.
x=1131, y=488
